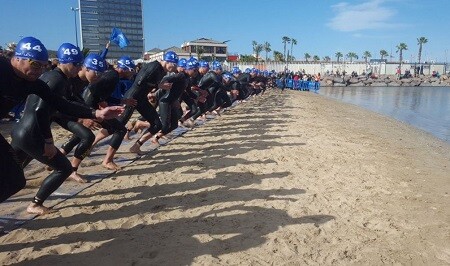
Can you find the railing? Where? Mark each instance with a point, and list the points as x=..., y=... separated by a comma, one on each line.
x=300, y=85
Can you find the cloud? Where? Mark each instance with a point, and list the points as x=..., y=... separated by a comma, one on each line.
x=365, y=16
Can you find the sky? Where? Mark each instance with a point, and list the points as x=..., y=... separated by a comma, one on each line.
x=321, y=27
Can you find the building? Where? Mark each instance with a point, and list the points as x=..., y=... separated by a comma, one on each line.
x=158, y=54
x=206, y=49
x=99, y=17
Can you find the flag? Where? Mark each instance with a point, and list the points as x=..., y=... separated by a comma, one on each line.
x=119, y=38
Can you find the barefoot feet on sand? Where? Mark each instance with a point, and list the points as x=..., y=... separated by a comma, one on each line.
x=136, y=149
x=111, y=166
x=37, y=209
x=77, y=178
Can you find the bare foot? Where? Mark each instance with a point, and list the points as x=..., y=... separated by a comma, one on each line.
x=48, y=168
x=189, y=123
x=111, y=166
x=77, y=178
x=136, y=149
x=155, y=141
x=127, y=136
x=34, y=208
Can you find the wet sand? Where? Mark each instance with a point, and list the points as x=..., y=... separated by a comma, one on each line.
x=284, y=179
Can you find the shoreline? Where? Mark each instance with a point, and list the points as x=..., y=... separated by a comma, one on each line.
x=284, y=178
x=385, y=81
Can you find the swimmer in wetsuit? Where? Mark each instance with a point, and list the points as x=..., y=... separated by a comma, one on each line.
x=31, y=137
x=149, y=77
x=97, y=94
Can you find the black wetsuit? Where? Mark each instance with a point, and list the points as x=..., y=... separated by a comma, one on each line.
x=212, y=82
x=95, y=93
x=148, y=77
x=202, y=107
x=232, y=85
x=169, y=105
x=34, y=127
x=244, y=80
x=189, y=97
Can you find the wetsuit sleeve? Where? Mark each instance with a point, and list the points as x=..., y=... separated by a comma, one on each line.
x=104, y=87
x=59, y=103
x=148, y=76
x=207, y=80
x=43, y=118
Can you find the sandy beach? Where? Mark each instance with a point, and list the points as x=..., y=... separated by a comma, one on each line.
x=284, y=179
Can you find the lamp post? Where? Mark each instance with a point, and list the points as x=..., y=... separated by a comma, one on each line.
x=75, y=10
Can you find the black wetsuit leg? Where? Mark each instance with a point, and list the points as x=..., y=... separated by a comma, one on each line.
x=60, y=164
x=149, y=113
x=70, y=144
x=225, y=99
x=12, y=178
x=117, y=129
x=193, y=108
x=165, y=113
x=82, y=136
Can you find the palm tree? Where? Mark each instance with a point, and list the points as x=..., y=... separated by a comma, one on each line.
x=258, y=49
x=366, y=56
x=293, y=42
x=290, y=57
x=327, y=59
x=383, y=53
x=352, y=55
x=278, y=56
x=316, y=58
x=267, y=48
x=402, y=46
x=421, y=41
x=338, y=56
x=285, y=40
x=307, y=56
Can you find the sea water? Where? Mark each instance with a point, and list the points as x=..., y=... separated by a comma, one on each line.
x=427, y=108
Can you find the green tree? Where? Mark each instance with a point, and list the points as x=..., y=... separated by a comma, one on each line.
x=352, y=55
x=400, y=48
x=258, y=49
x=278, y=56
x=267, y=49
x=366, y=56
x=290, y=57
x=285, y=40
x=293, y=42
x=247, y=58
x=327, y=59
x=307, y=56
x=199, y=50
x=383, y=53
x=421, y=41
x=338, y=55
x=316, y=58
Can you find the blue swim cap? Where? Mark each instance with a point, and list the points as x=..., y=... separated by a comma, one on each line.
x=69, y=53
x=126, y=63
x=203, y=64
x=182, y=62
x=254, y=70
x=95, y=62
x=216, y=65
x=192, y=63
x=235, y=70
x=171, y=56
x=32, y=48
x=248, y=70
x=226, y=76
